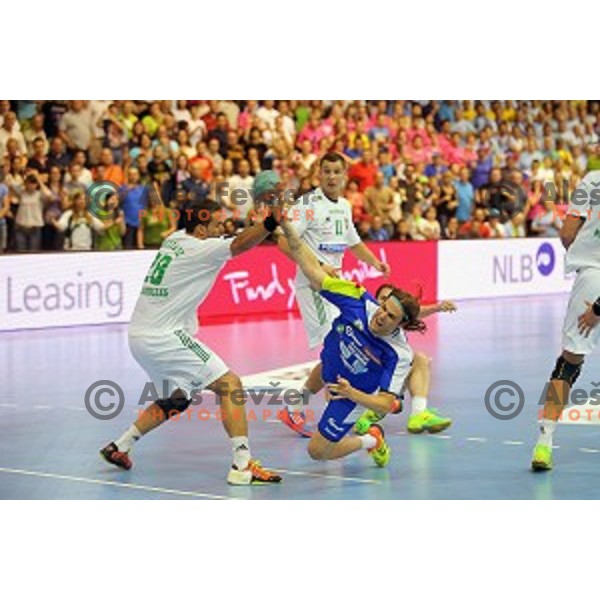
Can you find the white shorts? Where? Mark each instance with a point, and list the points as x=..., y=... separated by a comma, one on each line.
x=585, y=288
x=317, y=314
x=176, y=360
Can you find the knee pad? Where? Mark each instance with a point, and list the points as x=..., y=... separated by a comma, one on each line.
x=172, y=406
x=566, y=371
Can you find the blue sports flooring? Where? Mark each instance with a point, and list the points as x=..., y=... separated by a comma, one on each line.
x=49, y=443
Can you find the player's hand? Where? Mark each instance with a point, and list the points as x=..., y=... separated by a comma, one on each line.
x=331, y=271
x=588, y=320
x=341, y=389
x=446, y=306
x=383, y=268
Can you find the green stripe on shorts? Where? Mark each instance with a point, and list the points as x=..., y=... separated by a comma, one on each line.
x=193, y=345
x=320, y=307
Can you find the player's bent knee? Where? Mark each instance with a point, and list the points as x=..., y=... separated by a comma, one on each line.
x=226, y=384
x=316, y=449
x=567, y=371
x=173, y=405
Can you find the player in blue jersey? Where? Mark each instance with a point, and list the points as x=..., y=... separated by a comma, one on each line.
x=366, y=357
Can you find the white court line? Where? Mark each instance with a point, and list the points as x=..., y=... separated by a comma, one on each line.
x=41, y=406
x=589, y=450
x=8, y=405
x=512, y=443
x=476, y=439
x=437, y=436
x=133, y=486
x=323, y=476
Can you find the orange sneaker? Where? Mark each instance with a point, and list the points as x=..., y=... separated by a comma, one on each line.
x=253, y=474
x=381, y=452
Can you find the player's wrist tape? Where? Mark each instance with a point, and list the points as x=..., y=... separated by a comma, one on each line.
x=596, y=307
x=270, y=224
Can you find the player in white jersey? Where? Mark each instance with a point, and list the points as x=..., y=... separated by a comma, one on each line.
x=323, y=220
x=580, y=235
x=161, y=337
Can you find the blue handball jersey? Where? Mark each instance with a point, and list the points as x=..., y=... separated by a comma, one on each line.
x=369, y=362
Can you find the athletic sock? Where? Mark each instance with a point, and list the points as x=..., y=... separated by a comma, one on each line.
x=368, y=441
x=547, y=428
x=241, y=451
x=126, y=441
x=418, y=404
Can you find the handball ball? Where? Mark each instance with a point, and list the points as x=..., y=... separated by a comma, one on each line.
x=266, y=185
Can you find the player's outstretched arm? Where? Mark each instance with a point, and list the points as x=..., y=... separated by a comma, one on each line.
x=301, y=254
x=431, y=309
x=252, y=236
x=363, y=253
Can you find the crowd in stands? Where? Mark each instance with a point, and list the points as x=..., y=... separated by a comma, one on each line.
x=417, y=170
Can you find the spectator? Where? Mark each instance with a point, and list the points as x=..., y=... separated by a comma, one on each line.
x=429, y=227
x=448, y=203
x=76, y=178
x=377, y=232
x=239, y=192
x=547, y=223
x=403, y=231
x=10, y=130
x=465, y=195
x=436, y=167
x=39, y=158
x=154, y=119
x=110, y=231
x=379, y=201
x=112, y=171
x=482, y=168
x=76, y=127
x=36, y=131
x=78, y=225
x=364, y=171
x=357, y=202
x=134, y=199
x=58, y=156
x=497, y=230
x=4, y=212
x=29, y=219
x=156, y=224
x=53, y=208
x=515, y=227
x=451, y=229
x=476, y=227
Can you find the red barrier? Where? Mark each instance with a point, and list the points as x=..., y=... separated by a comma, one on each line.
x=261, y=282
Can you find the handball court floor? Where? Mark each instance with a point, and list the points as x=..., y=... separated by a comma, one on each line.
x=49, y=442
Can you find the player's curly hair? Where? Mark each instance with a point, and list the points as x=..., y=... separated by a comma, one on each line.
x=412, y=308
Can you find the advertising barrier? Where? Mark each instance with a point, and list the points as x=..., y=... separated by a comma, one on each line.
x=91, y=288
x=497, y=268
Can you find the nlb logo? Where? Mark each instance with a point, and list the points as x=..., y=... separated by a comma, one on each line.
x=545, y=259
x=520, y=268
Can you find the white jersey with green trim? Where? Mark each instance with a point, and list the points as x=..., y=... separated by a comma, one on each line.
x=585, y=203
x=179, y=279
x=326, y=226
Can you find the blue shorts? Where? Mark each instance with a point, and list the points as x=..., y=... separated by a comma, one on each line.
x=333, y=425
